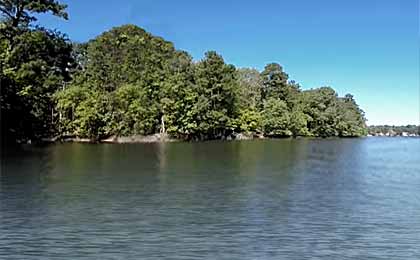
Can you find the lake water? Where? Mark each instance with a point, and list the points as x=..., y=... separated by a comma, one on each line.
x=262, y=199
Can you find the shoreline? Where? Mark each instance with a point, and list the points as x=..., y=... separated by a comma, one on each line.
x=157, y=138
x=154, y=138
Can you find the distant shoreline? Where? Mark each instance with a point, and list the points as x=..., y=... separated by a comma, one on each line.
x=391, y=131
x=156, y=138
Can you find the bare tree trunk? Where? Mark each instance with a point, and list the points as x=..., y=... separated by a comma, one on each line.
x=52, y=116
x=162, y=129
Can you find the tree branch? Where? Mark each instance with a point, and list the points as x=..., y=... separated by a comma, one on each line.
x=6, y=12
x=19, y=13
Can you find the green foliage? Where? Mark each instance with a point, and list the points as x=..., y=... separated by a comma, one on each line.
x=250, y=88
x=298, y=125
x=82, y=111
x=276, y=118
x=32, y=70
x=217, y=86
x=35, y=62
x=128, y=82
x=351, y=120
x=178, y=97
x=333, y=116
x=321, y=106
x=127, y=55
x=250, y=121
x=276, y=85
x=17, y=15
x=132, y=113
x=137, y=73
x=274, y=82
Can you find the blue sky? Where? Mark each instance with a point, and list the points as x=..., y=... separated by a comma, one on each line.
x=369, y=48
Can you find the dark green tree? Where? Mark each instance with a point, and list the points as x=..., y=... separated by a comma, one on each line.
x=217, y=85
x=321, y=107
x=35, y=62
x=275, y=83
x=276, y=118
x=126, y=57
x=128, y=82
x=351, y=119
x=20, y=13
x=178, y=98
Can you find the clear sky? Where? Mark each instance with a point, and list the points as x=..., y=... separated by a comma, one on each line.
x=369, y=48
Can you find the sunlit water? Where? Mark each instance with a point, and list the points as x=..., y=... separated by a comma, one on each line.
x=263, y=199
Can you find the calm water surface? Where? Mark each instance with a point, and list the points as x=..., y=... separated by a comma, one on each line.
x=271, y=199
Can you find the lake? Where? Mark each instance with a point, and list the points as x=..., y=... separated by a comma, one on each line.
x=261, y=199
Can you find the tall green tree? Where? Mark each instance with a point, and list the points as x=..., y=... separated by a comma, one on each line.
x=250, y=88
x=321, y=105
x=274, y=82
x=217, y=85
x=249, y=100
x=21, y=13
x=178, y=98
x=35, y=62
x=127, y=57
x=276, y=118
x=351, y=119
x=128, y=82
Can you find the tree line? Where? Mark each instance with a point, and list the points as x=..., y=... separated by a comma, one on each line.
x=129, y=82
x=394, y=130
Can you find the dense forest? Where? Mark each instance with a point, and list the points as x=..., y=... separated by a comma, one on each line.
x=129, y=82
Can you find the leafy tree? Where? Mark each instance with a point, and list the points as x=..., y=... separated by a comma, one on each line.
x=276, y=85
x=35, y=62
x=19, y=13
x=298, y=125
x=82, y=112
x=217, y=86
x=131, y=114
x=276, y=118
x=249, y=100
x=274, y=81
x=351, y=120
x=178, y=97
x=250, y=121
x=127, y=57
x=330, y=115
x=250, y=87
x=128, y=82
x=321, y=107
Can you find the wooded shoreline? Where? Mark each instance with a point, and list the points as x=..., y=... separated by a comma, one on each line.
x=129, y=82
x=156, y=138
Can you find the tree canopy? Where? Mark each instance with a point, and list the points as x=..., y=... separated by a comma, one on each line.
x=35, y=63
x=127, y=81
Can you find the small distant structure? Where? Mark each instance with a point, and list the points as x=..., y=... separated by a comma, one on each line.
x=394, y=131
